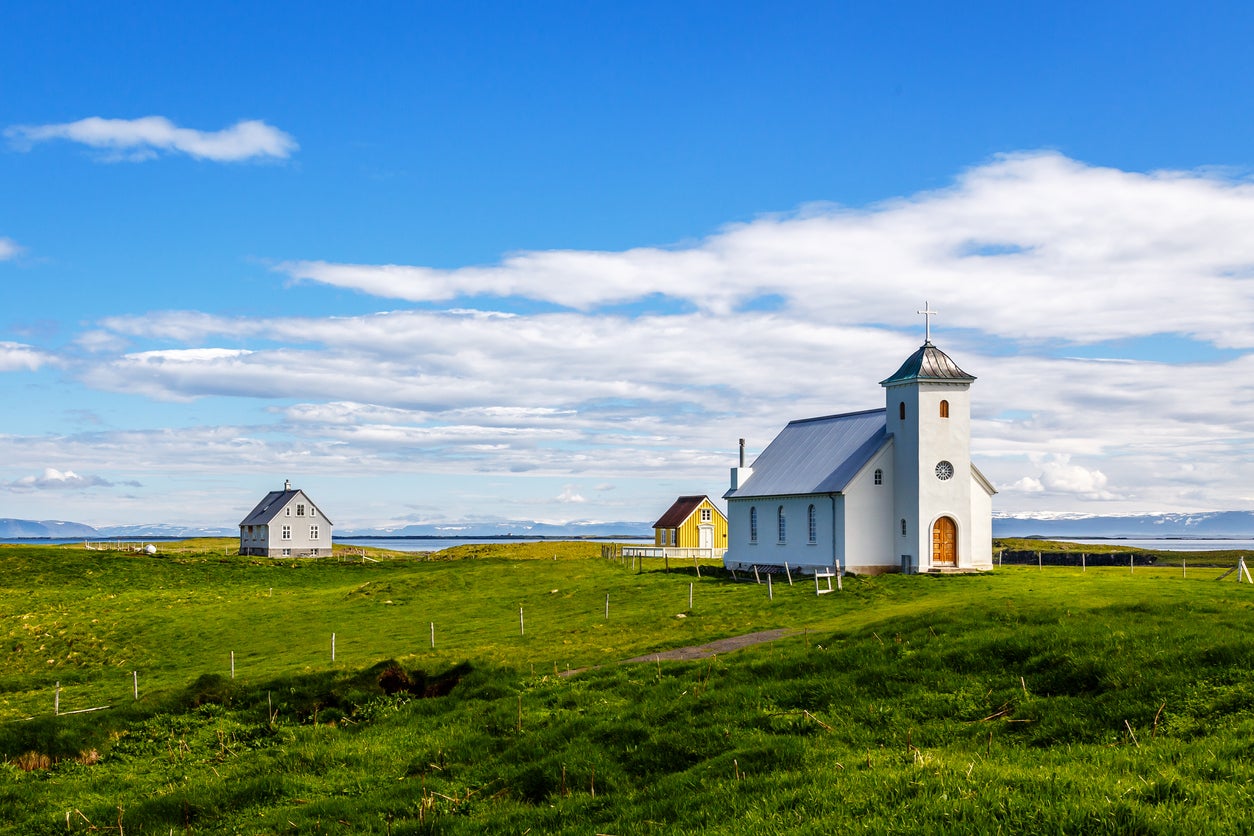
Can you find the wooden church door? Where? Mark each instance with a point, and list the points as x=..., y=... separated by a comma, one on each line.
x=944, y=542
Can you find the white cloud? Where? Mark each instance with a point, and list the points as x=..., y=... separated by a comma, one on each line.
x=1059, y=475
x=570, y=495
x=20, y=357
x=1028, y=246
x=9, y=249
x=53, y=479
x=145, y=138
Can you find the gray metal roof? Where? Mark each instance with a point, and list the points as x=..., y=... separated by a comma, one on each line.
x=816, y=455
x=274, y=502
x=928, y=363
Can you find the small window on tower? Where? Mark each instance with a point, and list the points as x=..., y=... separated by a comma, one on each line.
x=903, y=526
x=944, y=409
x=901, y=410
x=879, y=476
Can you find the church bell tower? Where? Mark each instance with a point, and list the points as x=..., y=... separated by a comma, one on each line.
x=928, y=403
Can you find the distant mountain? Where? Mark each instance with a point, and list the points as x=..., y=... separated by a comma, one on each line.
x=45, y=528
x=61, y=530
x=1239, y=524
x=137, y=532
x=56, y=529
x=513, y=528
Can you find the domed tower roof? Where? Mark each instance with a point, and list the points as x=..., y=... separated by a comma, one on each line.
x=929, y=363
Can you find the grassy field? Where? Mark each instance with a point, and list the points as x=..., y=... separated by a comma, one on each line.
x=1054, y=701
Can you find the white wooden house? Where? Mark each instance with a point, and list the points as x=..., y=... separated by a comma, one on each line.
x=285, y=523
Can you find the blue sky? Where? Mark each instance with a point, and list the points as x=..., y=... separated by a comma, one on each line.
x=437, y=262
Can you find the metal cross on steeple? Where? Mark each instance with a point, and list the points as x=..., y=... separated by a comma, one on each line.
x=927, y=314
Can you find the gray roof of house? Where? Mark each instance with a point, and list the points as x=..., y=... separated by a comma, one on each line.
x=929, y=363
x=816, y=455
x=269, y=508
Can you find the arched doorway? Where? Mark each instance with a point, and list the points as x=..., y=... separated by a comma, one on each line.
x=945, y=542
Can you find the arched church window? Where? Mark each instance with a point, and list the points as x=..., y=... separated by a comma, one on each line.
x=901, y=410
x=879, y=476
x=753, y=524
x=814, y=525
x=782, y=527
x=903, y=526
x=944, y=409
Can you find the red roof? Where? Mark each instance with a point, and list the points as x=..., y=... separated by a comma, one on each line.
x=680, y=511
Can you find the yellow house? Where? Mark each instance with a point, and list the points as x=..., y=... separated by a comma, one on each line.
x=693, y=522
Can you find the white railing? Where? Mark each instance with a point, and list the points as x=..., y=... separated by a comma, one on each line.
x=616, y=550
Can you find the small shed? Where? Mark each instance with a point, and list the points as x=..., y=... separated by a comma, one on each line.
x=692, y=522
x=286, y=523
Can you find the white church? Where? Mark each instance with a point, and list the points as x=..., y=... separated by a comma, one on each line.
x=885, y=490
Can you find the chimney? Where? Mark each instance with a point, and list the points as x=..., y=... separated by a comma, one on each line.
x=741, y=473
x=287, y=484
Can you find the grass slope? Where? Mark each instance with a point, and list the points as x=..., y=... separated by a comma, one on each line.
x=1106, y=701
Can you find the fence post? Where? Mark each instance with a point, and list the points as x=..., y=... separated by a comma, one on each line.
x=56, y=699
x=433, y=635
x=607, y=606
x=769, y=591
x=788, y=571
x=1039, y=565
x=1131, y=567
x=522, y=628
x=333, y=647
x=689, y=597
x=135, y=683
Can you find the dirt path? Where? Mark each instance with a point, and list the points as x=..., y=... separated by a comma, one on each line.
x=687, y=654
x=704, y=651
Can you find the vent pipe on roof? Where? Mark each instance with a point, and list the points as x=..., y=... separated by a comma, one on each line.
x=287, y=484
x=742, y=452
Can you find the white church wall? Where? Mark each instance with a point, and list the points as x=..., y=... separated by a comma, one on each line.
x=906, y=476
x=869, y=542
x=797, y=549
x=981, y=527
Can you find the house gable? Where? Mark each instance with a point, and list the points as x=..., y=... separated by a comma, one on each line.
x=681, y=525
x=286, y=523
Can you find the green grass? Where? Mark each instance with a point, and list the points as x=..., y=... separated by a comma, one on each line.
x=1054, y=701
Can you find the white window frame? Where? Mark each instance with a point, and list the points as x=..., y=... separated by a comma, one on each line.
x=287, y=532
